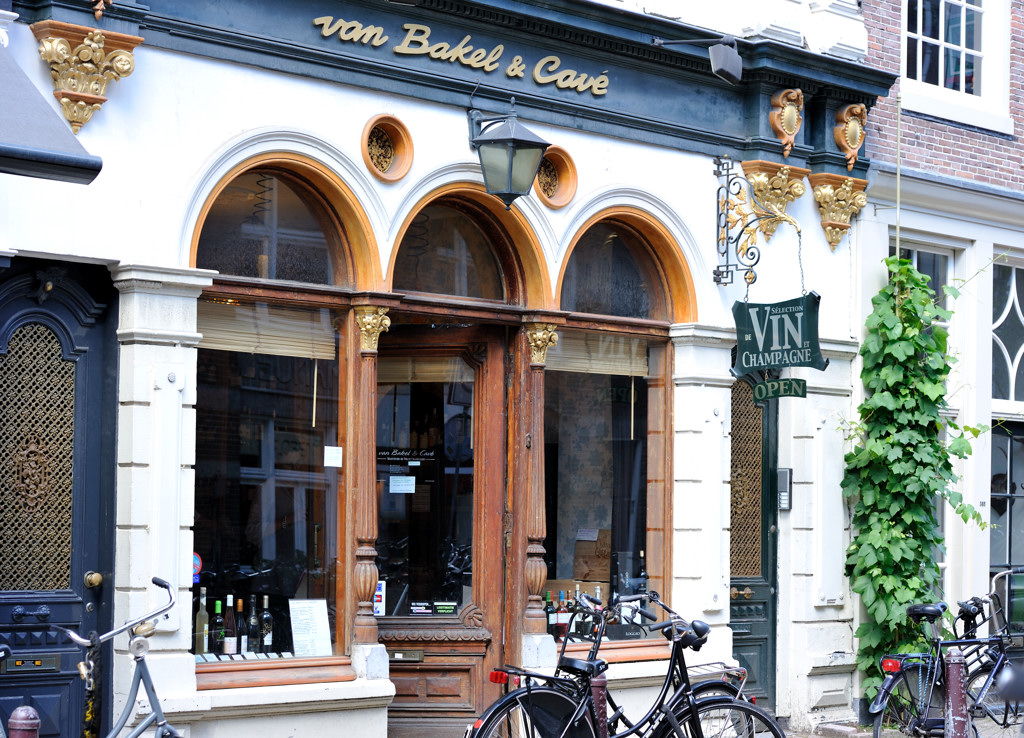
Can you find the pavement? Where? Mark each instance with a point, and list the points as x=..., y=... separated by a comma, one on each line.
x=834, y=730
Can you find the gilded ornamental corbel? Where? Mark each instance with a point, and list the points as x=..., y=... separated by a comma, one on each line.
x=83, y=61
x=774, y=186
x=849, y=133
x=839, y=200
x=786, y=117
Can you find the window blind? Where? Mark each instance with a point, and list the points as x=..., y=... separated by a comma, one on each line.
x=401, y=369
x=259, y=328
x=598, y=353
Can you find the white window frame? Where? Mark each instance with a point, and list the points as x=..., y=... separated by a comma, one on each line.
x=991, y=108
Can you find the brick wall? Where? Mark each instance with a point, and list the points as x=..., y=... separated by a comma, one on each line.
x=935, y=146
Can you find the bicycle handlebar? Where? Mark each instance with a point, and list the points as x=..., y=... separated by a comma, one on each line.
x=85, y=642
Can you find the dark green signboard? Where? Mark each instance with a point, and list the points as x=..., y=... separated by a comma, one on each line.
x=789, y=387
x=777, y=335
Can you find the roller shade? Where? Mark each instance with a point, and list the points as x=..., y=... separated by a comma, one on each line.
x=598, y=353
x=402, y=369
x=259, y=328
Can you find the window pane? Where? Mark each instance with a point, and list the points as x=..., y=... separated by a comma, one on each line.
x=952, y=69
x=595, y=432
x=930, y=63
x=972, y=28
x=1000, y=500
x=265, y=504
x=261, y=227
x=936, y=266
x=445, y=251
x=604, y=275
x=912, y=69
x=425, y=494
x=1000, y=374
x=1001, y=280
x=930, y=18
x=952, y=35
x=972, y=74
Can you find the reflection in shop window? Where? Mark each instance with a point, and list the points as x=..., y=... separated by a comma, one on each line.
x=266, y=503
x=425, y=473
x=262, y=227
x=596, y=429
x=604, y=275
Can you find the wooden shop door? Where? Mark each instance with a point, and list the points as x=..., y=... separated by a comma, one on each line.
x=440, y=546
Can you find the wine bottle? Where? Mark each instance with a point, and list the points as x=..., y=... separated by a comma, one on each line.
x=240, y=623
x=267, y=627
x=561, y=617
x=230, y=643
x=641, y=587
x=202, y=631
x=253, y=634
x=549, y=611
x=217, y=629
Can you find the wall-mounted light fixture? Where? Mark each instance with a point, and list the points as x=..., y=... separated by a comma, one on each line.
x=725, y=60
x=510, y=153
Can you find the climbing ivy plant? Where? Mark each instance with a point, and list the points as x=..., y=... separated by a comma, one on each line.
x=900, y=466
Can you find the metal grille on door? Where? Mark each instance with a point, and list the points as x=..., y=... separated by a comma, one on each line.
x=745, y=547
x=36, y=448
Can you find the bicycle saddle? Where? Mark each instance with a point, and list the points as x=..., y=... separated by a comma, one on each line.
x=582, y=667
x=930, y=613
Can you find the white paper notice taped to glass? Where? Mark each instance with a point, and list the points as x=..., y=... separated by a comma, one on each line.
x=333, y=455
x=401, y=485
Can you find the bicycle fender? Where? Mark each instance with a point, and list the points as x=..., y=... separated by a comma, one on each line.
x=878, y=704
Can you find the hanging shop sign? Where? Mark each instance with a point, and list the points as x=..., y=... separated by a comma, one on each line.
x=777, y=335
x=417, y=39
x=771, y=388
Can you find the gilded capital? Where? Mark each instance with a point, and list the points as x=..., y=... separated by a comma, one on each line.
x=774, y=186
x=83, y=61
x=541, y=337
x=372, y=322
x=839, y=200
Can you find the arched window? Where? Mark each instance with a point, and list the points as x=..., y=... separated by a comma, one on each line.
x=447, y=251
x=267, y=417
x=608, y=274
x=267, y=225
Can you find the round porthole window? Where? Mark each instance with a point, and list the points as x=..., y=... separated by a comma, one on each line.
x=556, y=179
x=387, y=148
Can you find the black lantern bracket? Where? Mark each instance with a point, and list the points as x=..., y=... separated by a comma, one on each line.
x=740, y=217
x=510, y=153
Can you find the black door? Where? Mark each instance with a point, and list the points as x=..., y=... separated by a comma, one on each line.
x=753, y=540
x=58, y=364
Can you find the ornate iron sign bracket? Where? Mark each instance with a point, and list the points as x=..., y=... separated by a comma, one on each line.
x=740, y=218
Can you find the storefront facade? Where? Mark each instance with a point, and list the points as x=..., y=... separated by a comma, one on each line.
x=356, y=393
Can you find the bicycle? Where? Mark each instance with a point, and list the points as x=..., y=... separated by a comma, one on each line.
x=911, y=698
x=574, y=702
x=140, y=629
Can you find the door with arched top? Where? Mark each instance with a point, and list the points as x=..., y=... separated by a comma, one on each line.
x=57, y=417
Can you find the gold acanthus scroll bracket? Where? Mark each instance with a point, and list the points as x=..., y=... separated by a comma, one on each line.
x=83, y=61
x=839, y=200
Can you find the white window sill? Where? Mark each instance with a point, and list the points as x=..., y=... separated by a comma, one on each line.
x=956, y=107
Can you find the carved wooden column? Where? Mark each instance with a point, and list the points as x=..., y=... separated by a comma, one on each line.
x=540, y=337
x=372, y=321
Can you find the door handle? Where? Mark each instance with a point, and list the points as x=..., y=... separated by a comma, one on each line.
x=19, y=613
x=93, y=579
x=744, y=593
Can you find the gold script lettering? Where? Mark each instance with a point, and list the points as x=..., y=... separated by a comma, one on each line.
x=546, y=72
x=417, y=41
x=350, y=31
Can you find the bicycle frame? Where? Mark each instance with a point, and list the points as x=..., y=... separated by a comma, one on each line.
x=138, y=645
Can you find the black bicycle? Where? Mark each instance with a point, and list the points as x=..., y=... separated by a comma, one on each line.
x=912, y=697
x=574, y=701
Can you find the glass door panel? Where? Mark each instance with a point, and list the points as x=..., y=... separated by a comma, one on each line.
x=425, y=478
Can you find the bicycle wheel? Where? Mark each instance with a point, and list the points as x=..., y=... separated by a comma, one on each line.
x=906, y=706
x=724, y=719
x=999, y=715
x=715, y=688
x=542, y=712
